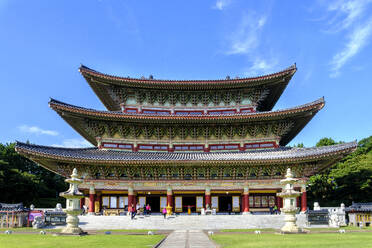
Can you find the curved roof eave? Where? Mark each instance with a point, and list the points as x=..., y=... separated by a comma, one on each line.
x=277, y=155
x=62, y=107
x=143, y=82
x=100, y=84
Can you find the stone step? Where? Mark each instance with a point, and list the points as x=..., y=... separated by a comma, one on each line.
x=193, y=222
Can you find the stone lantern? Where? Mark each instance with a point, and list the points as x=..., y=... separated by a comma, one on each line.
x=290, y=208
x=73, y=196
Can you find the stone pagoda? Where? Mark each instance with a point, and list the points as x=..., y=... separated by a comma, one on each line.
x=187, y=144
x=73, y=209
x=289, y=195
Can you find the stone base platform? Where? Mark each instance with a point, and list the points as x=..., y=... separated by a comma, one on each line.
x=193, y=222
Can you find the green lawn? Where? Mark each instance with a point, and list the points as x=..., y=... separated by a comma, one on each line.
x=319, y=240
x=89, y=241
x=326, y=229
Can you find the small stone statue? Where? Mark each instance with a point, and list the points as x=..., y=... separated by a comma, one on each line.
x=38, y=222
x=58, y=207
x=316, y=206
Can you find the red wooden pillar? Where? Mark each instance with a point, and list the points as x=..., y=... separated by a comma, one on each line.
x=99, y=199
x=208, y=198
x=298, y=201
x=135, y=200
x=169, y=197
x=246, y=200
x=280, y=203
x=303, y=200
x=92, y=194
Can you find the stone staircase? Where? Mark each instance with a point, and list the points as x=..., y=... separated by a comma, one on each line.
x=182, y=222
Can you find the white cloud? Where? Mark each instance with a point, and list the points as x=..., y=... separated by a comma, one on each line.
x=261, y=66
x=73, y=143
x=346, y=13
x=221, y=4
x=37, y=130
x=356, y=41
x=246, y=38
x=350, y=18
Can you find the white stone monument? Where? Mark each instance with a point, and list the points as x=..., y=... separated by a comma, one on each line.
x=73, y=196
x=290, y=208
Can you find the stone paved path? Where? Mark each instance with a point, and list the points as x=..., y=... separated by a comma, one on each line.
x=187, y=239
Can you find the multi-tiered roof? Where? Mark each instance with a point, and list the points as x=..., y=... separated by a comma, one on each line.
x=210, y=129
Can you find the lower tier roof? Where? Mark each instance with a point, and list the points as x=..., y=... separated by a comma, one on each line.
x=95, y=155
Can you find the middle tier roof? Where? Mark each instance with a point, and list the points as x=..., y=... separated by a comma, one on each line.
x=80, y=118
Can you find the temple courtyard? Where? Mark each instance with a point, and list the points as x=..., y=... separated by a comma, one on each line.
x=317, y=237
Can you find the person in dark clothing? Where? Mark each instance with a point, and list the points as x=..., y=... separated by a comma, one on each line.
x=133, y=212
x=229, y=208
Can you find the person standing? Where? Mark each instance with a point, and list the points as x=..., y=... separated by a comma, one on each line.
x=229, y=208
x=133, y=212
x=148, y=209
x=164, y=212
x=275, y=209
x=138, y=208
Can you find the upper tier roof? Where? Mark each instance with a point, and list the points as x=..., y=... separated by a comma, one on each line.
x=101, y=84
x=94, y=155
x=300, y=115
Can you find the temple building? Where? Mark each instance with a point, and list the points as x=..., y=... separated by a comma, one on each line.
x=189, y=144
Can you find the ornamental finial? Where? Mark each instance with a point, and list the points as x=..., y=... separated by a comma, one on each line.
x=74, y=174
x=289, y=173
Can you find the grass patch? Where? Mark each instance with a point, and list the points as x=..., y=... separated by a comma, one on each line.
x=30, y=229
x=249, y=230
x=89, y=241
x=319, y=240
x=123, y=230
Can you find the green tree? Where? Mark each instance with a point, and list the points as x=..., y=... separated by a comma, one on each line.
x=346, y=181
x=300, y=145
x=325, y=142
x=22, y=180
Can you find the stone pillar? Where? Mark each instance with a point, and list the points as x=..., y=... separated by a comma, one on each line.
x=73, y=196
x=289, y=195
x=246, y=200
x=130, y=199
x=303, y=199
x=169, y=197
x=208, y=198
x=92, y=194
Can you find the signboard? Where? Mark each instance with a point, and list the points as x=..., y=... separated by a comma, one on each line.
x=163, y=202
x=34, y=213
x=214, y=202
x=236, y=203
x=199, y=203
x=178, y=204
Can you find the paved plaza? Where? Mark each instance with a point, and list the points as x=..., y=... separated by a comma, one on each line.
x=187, y=239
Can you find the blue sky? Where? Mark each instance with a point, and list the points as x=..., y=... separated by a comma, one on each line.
x=43, y=43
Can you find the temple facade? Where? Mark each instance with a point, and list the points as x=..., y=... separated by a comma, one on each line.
x=189, y=144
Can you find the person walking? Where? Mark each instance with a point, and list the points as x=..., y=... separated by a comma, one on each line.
x=164, y=212
x=133, y=212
